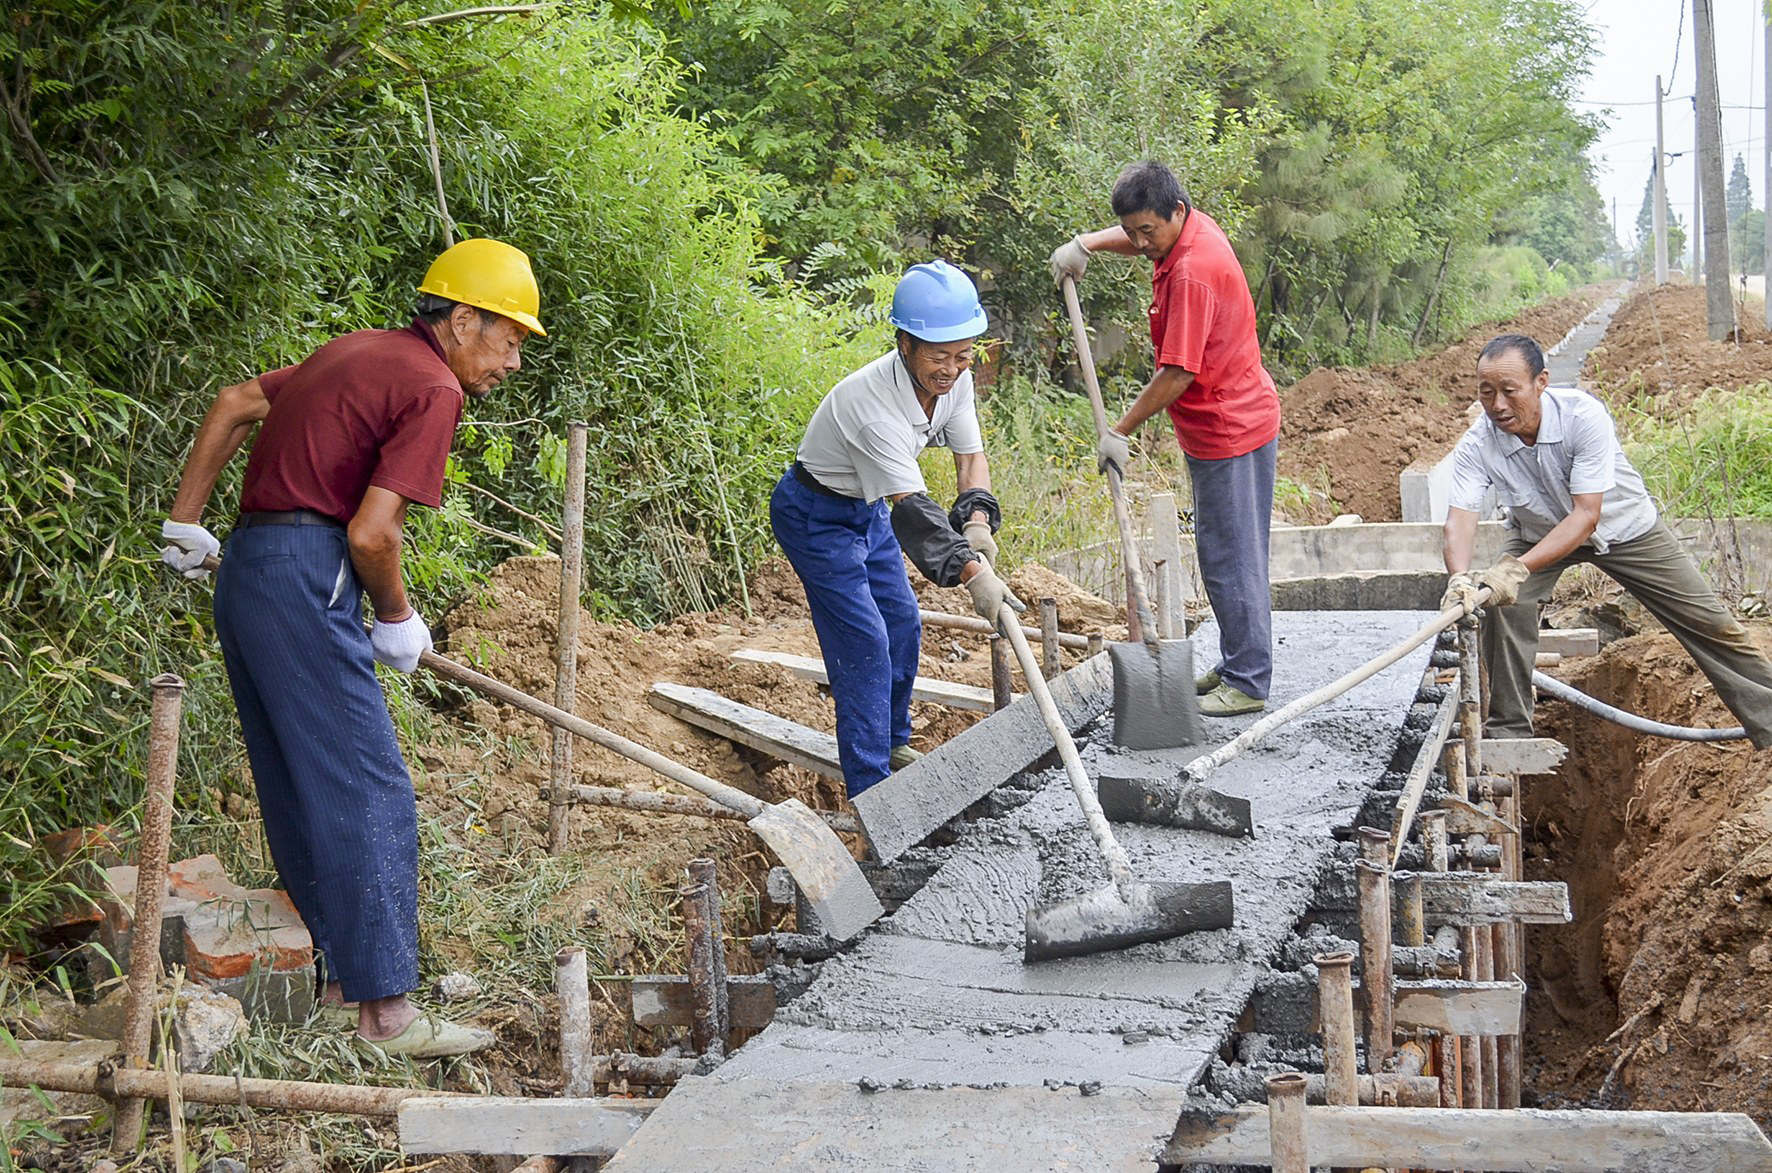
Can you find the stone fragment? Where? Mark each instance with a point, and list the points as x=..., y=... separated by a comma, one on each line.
x=456, y=987
x=205, y=1022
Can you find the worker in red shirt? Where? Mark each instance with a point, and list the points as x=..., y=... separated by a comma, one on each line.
x=348, y=439
x=1222, y=401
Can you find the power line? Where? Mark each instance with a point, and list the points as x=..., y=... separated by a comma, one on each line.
x=1678, y=34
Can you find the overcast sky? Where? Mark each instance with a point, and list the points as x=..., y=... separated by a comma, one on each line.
x=1638, y=39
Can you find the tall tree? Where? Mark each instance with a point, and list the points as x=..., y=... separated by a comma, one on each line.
x=1738, y=198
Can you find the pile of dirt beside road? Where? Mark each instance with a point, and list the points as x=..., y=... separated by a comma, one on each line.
x=1349, y=433
x=1659, y=996
x=1659, y=344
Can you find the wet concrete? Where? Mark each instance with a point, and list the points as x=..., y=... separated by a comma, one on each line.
x=936, y=995
x=1564, y=358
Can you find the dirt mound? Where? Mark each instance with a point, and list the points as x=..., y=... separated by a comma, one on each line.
x=1659, y=344
x=1349, y=432
x=1659, y=996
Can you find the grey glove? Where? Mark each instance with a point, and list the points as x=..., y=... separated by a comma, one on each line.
x=1461, y=592
x=1069, y=260
x=1503, y=580
x=187, y=547
x=399, y=645
x=978, y=536
x=989, y=593
x=1112, y=450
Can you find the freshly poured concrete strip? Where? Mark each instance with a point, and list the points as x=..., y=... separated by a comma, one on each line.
x=936, y=996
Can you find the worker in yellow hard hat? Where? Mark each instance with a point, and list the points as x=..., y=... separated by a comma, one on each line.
x=348, y=439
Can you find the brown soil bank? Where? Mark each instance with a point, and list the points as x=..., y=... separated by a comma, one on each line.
x=1659, y=344
x=1659, y=996
x=1349, y=432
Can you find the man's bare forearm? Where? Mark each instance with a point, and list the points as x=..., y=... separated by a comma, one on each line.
x=374, y=538
x=225, y=427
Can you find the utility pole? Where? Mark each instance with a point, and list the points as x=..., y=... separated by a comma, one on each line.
x=1766, y=187
x=1697, y=233
x=1720, y=306
x=1661, y=192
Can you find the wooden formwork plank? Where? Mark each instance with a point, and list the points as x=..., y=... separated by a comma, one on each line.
x=663, y=1000
x=765, y=732
x=1480, y=898
x=1415, y=785
x=518, y=1126
x=938, y=692
x=1522, y=755
x=1518, y=1141
x=1462, y=1008
x=1570, y=641
x=1467, y=818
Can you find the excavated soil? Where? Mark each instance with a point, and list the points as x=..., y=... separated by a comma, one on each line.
x=1659, y=996
x=1349, y=432
x=1659, y=344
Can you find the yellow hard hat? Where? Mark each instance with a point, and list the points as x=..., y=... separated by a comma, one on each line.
x=489, y=275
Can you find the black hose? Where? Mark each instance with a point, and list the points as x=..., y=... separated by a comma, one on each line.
x=1566, y=692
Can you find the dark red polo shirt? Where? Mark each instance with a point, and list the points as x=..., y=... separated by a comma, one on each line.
x=375, y=407
x=1203, y=320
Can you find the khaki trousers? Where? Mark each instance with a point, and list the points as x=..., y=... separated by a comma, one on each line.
x=1656, y=569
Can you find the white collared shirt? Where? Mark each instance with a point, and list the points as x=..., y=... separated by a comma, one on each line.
x=864, y=438
x=1577, y=452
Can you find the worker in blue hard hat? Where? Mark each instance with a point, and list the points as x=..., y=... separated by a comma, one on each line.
x=854, y=499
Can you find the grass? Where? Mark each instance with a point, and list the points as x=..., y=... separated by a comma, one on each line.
x=1713, y=457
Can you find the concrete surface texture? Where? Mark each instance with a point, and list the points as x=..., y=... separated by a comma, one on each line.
x=930, y=1045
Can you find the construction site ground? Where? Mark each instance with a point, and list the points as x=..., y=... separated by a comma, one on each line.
x=1659, y=996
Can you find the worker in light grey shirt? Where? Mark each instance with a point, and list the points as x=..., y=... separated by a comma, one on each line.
x=854, y=498
x=1553, y=458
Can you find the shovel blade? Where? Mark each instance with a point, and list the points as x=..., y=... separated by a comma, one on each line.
x=1155, y=705
x=828, y=877
x=1174, y=803
x=1117, y=917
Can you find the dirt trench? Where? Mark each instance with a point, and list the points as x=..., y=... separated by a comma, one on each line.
x=1659, y=995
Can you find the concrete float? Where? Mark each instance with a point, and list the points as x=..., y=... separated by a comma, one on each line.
x=928, y=1044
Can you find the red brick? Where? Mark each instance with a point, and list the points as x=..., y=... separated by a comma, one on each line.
x=224, y=939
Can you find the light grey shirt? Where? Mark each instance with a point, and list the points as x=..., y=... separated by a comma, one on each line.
x=1577, y=452
x=864, y=438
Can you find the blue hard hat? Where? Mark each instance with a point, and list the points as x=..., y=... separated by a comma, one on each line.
x=937, y=303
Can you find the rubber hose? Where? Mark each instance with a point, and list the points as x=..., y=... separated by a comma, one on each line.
x=1566, y=692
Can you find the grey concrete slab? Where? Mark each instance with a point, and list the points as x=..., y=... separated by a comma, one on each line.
x=937, y=995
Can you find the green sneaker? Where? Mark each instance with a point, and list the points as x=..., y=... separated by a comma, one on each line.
x=1226, y=701
x=1208, y=682
x=902, y=756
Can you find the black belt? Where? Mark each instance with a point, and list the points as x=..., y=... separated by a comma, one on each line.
x=286, y=517
x=806, y=478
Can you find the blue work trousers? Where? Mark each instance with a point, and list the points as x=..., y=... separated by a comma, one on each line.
x=1233, y=510
x=865, y=614
x=337, y=801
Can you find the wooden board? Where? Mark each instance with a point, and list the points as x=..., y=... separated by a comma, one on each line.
x=520, y=1126
x=1522, y=755
x=1461, y=1008
x=1480, y=898
x=663, y=1000
x=1519, y=1141
x=939, y=692
x=1425, y=761
x=765, y=732
x=1570, y=641
x=1467, y=818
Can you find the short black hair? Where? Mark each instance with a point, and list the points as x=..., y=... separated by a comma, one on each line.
x=1148, y=187
x=1521, y=344
x=433, y=308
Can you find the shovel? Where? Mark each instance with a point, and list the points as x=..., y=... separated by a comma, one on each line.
x=1155, y=705
x=1127, y=911
x=823, y=868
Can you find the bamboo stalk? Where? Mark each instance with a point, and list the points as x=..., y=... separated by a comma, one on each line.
x=572, y=546
x=975, y=624
x=1051, y=659
x=656, y=802
x=124, y=1083
x=572, y=985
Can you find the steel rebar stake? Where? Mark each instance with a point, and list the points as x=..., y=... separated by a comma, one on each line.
x=572, y=547
x=150, y=896
x=1287, y=1140
x=1051, y=659
x=704, y=1015
x=1335, y=1007
x=1470, y=701
x=1002, y=682
x=1377, y=980
x=572, y=986
x=1434, y=844
x=705, y=872
x=1411, y=921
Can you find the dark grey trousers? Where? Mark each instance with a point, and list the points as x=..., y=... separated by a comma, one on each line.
x=1233, y=510
x=1657, y=570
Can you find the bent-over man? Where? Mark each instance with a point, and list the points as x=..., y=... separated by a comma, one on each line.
x=854, y=498
x=348, y=439
x=1553, y=458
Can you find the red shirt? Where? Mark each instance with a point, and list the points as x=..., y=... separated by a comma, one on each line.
x=374, y=407
x=1203, y=320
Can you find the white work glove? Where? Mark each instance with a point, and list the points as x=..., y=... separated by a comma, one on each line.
x=978, y=536
x=399, y=645
x=1503, y=580
x=189, y=545
x=989, y=593
x=1112, y=450
x=1461, y=592
x=1069, y=260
